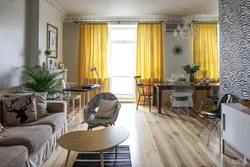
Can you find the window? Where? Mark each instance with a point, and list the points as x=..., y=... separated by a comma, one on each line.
x=122, y=51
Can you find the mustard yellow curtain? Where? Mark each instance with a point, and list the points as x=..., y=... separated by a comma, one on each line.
x=93, y=42
x=206, y=50
x=149, y=59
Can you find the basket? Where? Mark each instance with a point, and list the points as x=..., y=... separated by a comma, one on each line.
x=245, y=103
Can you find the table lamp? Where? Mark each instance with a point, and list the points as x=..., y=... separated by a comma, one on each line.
x=92, y=70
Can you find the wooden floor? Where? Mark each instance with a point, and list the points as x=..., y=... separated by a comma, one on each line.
x=158, y=140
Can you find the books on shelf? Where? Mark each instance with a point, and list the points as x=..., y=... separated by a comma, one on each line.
x=90, y=86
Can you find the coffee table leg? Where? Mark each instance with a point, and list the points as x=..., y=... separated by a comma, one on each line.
x=101, y=155
x=67, y=157
x=115, y=151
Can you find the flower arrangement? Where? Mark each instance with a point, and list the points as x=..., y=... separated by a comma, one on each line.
x=191, y=69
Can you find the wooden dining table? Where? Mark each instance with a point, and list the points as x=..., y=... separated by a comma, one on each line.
x=159, y=87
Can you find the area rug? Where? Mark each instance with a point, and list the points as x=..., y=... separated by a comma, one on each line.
x=92, y=159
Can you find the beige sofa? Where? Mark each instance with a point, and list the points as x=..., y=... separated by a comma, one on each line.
x=32, y=144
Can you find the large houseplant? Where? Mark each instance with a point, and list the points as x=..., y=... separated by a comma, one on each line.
x=191, y=70
x=42, y=80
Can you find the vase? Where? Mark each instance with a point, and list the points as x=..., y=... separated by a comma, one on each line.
x=47, y=63
x=191, y=77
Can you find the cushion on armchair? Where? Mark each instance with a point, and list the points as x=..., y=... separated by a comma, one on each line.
x=106, y=109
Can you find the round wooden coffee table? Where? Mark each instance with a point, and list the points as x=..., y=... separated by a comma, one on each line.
x=93, y=141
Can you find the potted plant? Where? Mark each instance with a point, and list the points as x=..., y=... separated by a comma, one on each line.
x=191, y=70
x=42, y=80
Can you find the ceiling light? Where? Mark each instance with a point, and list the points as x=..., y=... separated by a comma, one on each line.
x=187, y=30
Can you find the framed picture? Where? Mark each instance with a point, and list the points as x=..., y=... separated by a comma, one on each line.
x=52, y=40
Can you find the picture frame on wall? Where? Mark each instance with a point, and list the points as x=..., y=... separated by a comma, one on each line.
x=52, y=40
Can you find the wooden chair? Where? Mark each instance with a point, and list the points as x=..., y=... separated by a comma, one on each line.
x=142, y=93
x=67, y=96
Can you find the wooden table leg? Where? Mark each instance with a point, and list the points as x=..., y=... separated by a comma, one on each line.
x=115, y=151
x=102, y=161
x=159, y=101
x=67, y=158
x=154, y=96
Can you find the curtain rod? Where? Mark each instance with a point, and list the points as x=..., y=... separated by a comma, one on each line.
x=118, y=22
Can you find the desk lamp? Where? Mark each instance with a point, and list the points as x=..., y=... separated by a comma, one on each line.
x=92, y=70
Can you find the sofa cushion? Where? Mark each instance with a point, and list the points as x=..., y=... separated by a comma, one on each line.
x=41, y=103
x=55, y=120
x=31, y=137
x=3, y=92
x=12, y=156
x=19, y=110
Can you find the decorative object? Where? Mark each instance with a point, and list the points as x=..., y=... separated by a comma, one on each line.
x=245, y=103
x=19, y=110
x=106, y=109
x=47, y=53
x=181, y=79
x=2, y=129
x=191, y=70
x=208, y=80
x=61, y=66
x=42, y=80
x=201, y=81
x=97, y=78
x=52, y=40
x=187, y=30
x=51, y=67
x=177, y=50
x=93, y=158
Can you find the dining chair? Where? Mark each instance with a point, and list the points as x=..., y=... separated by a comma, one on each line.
x=174, y=79
x=70, y=96
x=214, y=116
x=210, y=100
x=142, y=92
x=186, y=91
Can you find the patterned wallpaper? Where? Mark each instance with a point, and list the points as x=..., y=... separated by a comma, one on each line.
x=234, y=21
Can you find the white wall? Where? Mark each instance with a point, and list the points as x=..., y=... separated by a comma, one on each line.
x=49, y=15
x=13, y=43
x=173, y=64
x=70, y=49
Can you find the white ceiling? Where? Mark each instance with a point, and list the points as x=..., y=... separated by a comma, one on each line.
x=139, y=7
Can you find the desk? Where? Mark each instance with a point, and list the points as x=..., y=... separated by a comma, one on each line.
x=159, y=87
x=83, y=90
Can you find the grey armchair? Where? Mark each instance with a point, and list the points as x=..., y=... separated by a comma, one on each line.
x=89, y=111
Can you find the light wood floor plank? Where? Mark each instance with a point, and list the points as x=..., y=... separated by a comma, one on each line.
x=159, y=140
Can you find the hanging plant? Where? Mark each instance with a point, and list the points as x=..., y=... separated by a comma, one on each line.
x=177, y=50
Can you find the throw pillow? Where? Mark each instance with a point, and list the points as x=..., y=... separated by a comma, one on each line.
x=19, y=110
x=41, y=103
x=106, y=108
x=2, y=129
